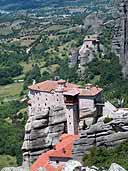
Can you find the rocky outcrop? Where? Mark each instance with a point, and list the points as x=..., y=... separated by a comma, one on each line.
x=116, y=167
x=101, y=134
x=73, y=56
x=72, y=165
x=113, y=167
x=20, y=168
x=42, y=132
x=120, y=40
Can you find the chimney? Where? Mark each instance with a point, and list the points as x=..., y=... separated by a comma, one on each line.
x=34, y=81
x=88, y=86
x=61, y=84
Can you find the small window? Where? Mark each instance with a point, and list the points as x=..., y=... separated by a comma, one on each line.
x=64, y=151
x=57, y=100
x=45, y=104
x=57, y=161
x=70, y=123
x=38, y=98
x=87, y=46
x=46, y=99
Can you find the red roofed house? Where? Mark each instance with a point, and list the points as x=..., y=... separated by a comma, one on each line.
x=55, y=159
x=76, y=100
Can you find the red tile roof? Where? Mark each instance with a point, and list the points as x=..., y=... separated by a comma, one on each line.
x=62, y=149
x=92, y=91
x=69, y=88
x=49, y=85
x=72, y=92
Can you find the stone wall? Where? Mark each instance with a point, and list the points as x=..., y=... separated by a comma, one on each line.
x=101, y=134
x=42, y=132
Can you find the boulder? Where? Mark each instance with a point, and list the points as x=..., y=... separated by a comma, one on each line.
x=72, y=165
x=116, y=167
x=16, y=169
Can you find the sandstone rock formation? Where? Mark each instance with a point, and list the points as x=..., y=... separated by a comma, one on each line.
x=120, y=40
x=116, y=167
x=73, y=56
x=15, y=169
x=101, y=134
x=71, y=165
x=42, y=132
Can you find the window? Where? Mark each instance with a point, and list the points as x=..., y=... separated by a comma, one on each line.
x=64, y=151
x=70, y=123
x=45, y=104
x=86, y=46
x=57, y=161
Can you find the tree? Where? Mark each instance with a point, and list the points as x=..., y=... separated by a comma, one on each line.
x=34, y=74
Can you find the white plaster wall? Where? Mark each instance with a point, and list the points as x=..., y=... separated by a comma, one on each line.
x=57, y=164
x=70, y=122
x=86, y=102
x=41, y=100
x=58, y=98
x=72, y=115
x=89, y=43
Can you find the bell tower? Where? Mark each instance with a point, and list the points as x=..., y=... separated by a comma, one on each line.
x=72, y=114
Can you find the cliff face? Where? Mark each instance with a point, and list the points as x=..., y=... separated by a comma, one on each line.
x=42, y=132
x=120, y=40
x=124, y=36
x=101, y=134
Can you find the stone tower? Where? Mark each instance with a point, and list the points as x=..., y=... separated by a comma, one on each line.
x=72, y=114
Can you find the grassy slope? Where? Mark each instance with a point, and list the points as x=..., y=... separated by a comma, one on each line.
x=6, y=160
x=10, y=91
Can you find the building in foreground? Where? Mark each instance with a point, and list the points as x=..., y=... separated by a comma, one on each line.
x=55, y=159
x=83, y=104
x=57, y=108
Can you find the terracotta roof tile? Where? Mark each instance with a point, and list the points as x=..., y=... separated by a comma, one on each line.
x=62, y=149
x=92, y=91
x=72, y=92
x=49, y=85
x=69, y=88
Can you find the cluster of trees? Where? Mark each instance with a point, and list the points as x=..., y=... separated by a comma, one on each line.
x=10, y=58
x=103, y=157
x=12, y=129
x=7, y=73
x=63, y=71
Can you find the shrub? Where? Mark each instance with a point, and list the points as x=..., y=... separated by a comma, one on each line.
x=107, y=120
x=104, y=157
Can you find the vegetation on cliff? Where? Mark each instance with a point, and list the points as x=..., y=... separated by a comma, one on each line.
x=12, y=129
x=102, y=157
